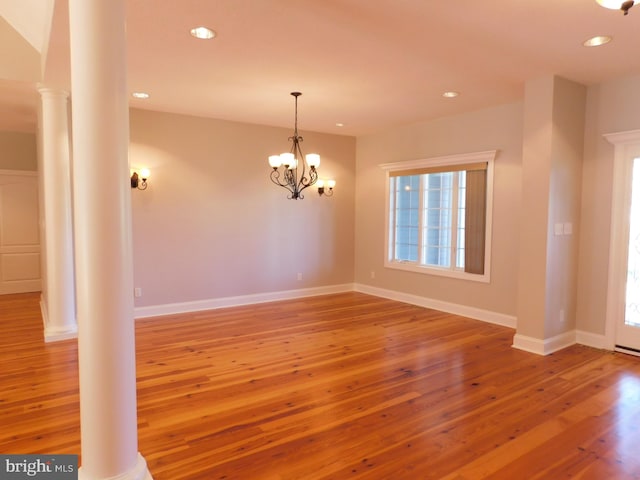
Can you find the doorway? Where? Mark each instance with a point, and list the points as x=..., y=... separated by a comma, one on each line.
x=19, y=232
x=623, y=286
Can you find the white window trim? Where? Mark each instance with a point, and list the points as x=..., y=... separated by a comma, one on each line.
x=486, y=156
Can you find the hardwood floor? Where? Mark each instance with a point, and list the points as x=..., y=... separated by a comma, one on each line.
x=345, y=386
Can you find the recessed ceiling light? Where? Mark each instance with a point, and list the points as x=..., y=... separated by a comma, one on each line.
x=597, y=41
x=140, y=95
x=203, y=33
x=450, y=94
x=339, y=124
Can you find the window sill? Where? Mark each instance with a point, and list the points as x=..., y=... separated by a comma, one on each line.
x=440, y=272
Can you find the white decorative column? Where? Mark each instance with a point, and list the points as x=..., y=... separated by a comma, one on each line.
x=60, y=321
x=103, y=246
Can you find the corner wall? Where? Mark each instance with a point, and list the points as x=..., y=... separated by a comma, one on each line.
x=497, y=128
x=550, y=215
x=212, y=225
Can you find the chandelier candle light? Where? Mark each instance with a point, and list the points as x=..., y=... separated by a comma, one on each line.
x=291, y=170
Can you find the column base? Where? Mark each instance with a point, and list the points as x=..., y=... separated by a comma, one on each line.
x=55, y=334
x=139, y=472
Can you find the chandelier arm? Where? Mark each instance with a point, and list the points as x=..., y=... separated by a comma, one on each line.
x=297, y=153
x=290, y=175
x=276, y=178
x=287, y=181
x=302, y=181
x=313, y=178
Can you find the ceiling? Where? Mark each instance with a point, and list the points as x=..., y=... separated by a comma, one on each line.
x=367, y=64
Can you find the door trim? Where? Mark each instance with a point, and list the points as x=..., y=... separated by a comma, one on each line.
x=626, y=148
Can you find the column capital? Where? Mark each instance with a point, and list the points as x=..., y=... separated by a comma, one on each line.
x=46, y=91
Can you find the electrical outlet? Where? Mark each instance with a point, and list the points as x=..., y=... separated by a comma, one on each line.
x=373, y=274
x=299, y=276
x=137, y=292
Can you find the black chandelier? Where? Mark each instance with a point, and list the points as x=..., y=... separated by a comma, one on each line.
x=290, y=169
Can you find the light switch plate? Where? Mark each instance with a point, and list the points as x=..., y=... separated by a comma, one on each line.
x=558, y=229
x=568, y=228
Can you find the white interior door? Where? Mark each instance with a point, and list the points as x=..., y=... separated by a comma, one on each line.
x=19, y=233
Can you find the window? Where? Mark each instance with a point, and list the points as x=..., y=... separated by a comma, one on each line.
x=439, y=215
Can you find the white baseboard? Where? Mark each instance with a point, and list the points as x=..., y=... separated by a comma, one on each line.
x=591, y=340
x=553, y=344
x=521, y=342
x=214, y=303
x=457, y=309
x=528, y=344
x=544, y=347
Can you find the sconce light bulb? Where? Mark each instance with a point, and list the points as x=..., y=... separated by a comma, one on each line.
x=144, y=173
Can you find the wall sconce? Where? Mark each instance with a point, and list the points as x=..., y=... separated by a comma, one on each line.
x=140, y=181
x=328, y=191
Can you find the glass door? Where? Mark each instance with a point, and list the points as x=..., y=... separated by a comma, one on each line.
x=628, y=328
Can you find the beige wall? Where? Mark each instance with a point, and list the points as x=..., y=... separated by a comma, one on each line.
x=18, y=151
x=552, y=171
x=573, y=278
x=212, y=225
x=533, y=216
x=498, y=128
x=564, y=205
x=611, y=107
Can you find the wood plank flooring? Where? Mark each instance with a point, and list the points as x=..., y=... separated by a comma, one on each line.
x=345, y=386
